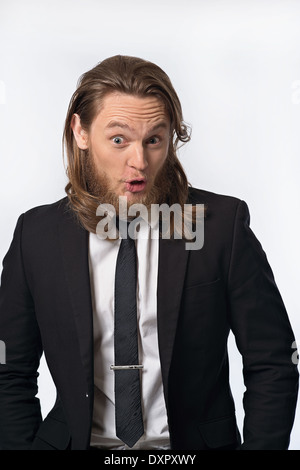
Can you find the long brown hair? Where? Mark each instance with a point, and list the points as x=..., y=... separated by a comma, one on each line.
x=136, y=77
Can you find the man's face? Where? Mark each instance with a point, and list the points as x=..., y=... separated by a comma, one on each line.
x=128, y=143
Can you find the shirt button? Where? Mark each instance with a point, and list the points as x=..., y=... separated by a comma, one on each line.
x=86, y=395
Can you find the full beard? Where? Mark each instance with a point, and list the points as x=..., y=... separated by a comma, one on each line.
x=98, y=185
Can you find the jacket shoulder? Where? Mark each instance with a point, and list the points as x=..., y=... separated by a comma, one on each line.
x=52, y=209
x=220, y=205
x=42, y=221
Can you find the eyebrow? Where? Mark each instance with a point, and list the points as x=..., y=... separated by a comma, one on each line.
x=123, y=125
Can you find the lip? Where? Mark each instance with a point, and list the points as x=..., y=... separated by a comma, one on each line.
x=135, y=185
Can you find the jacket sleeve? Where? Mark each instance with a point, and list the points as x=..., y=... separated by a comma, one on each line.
x=264, y=338
x=20, y=413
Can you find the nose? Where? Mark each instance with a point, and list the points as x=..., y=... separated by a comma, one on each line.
x=138, y=158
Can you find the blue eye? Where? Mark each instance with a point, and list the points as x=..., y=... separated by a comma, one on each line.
x=118, y=140
x=154, y=140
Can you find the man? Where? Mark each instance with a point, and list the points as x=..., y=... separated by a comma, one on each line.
x=60, y=294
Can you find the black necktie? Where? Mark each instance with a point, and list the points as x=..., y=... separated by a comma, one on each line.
x=129, y=420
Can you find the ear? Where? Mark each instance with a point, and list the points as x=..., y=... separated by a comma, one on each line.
x=80, y=135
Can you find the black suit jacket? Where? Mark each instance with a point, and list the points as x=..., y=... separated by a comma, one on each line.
x=45, y=305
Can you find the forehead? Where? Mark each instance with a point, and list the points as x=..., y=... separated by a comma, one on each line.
x=132, y=110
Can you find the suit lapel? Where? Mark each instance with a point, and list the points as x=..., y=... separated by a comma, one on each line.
x=171, y=273
x=74, y=245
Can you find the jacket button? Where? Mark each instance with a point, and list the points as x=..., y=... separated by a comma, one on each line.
x=86, y=395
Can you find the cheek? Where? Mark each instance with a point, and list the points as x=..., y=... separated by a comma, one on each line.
x=104, y=159
x=158, y=160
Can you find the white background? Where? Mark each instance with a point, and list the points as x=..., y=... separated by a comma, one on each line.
x=236, y=68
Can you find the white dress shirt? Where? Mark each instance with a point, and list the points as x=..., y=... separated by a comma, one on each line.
x=102, y=262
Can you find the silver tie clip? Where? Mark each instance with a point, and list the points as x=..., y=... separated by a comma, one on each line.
x=126, y=367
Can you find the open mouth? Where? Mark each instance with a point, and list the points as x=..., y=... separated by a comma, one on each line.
x=135, y=185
